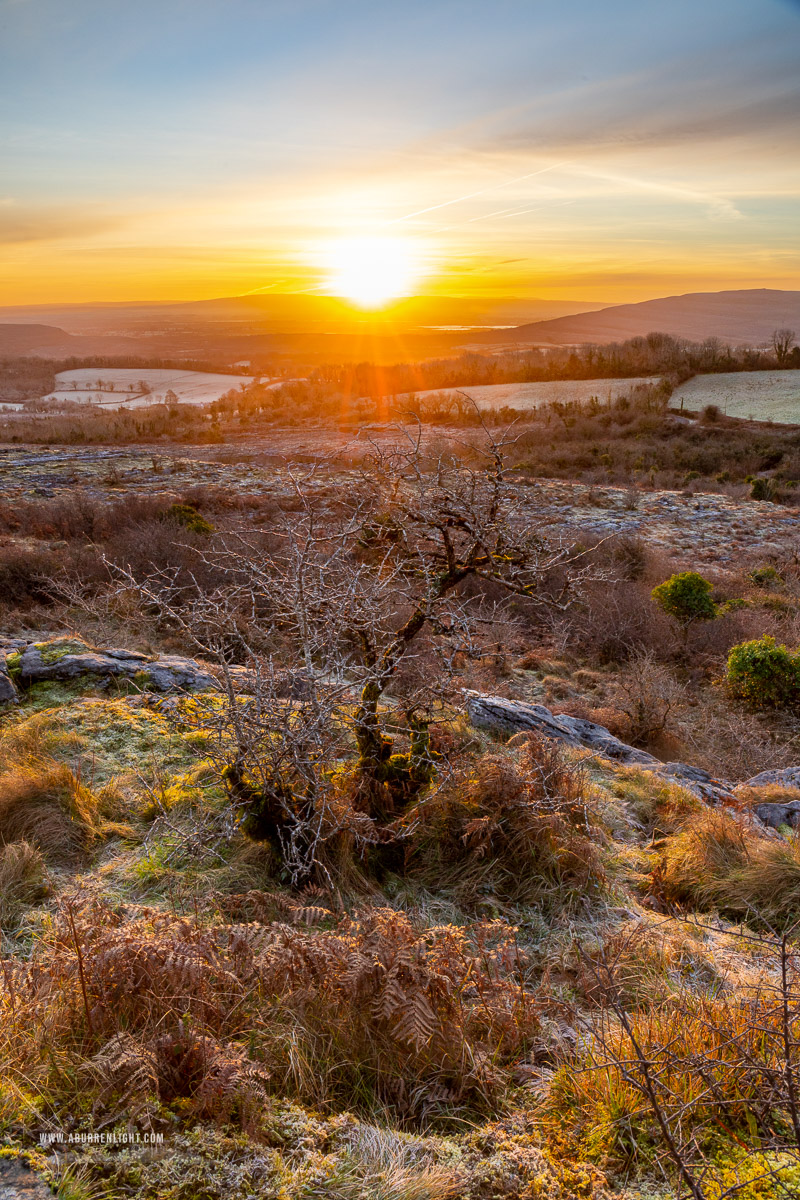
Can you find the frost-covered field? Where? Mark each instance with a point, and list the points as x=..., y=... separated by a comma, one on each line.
x=136, y=387
x=534, y=395
x=760, y=395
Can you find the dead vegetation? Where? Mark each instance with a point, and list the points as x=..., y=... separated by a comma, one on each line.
x=718, y=861
x=333, y=941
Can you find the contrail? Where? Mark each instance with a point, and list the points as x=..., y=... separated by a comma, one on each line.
x=481, y=192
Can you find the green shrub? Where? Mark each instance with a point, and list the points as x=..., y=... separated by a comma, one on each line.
x=189, y=517
x=766, y=577
x=686, y=598
x=764, y=674
x=763, y=489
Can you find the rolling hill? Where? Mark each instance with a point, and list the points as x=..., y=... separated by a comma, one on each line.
x=32, y=339
x=49, y=341
x=740, y=317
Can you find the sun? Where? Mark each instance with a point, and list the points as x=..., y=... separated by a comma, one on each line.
x=370, y=271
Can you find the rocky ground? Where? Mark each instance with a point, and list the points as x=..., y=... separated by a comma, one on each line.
x=25, y=662
x=700, y=529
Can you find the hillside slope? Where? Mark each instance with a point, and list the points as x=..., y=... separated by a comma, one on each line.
x=747, y=316
x=27, y=339
x=49, y=341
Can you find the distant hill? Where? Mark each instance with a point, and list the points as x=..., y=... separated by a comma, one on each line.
x=328, y=329
x=271, y=312
x=32, y=339
x=259, y=327
x=49, y=341
x=740, y=317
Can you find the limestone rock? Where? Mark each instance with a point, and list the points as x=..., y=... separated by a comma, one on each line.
x=698, y=781
x=498, y=715
x=64, y=659
x=182, y=674
x=785, y=777
x=19, y=1182
x=775, y=815
x=8, y=693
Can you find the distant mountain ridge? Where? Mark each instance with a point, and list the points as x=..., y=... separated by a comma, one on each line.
x=746, y=316
x=325, y=329
x=270, y=312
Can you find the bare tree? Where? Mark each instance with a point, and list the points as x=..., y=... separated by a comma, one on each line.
x=782, y=342
x=327, y=608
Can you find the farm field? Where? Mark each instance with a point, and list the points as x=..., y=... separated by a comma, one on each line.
x=136, y=387
x=535, y=395
x=756, y=395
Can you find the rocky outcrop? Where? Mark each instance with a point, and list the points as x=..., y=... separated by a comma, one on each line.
x=19, y=1182
x=775, y=815
x=698, y=781
x=8, y=693
x=498, y=715
x=65, y=659
x=788, y=777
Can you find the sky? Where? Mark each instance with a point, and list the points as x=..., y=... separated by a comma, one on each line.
x=187, y=149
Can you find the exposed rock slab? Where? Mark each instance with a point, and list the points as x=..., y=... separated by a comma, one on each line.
x=698, y=781
x=784, y=777
x=66, y=659
x=498, y=715
x=775, y=815
x=19, y=1182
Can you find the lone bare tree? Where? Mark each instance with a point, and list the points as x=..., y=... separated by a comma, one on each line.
x=326, y=610
x=782, y=342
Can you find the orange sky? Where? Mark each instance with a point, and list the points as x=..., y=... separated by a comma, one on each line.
x=609, y=153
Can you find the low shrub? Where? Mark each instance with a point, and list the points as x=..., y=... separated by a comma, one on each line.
x=188, y=516
x=649, y=695
x=766, y=577
x=764, y=674
x=686, y=597
x=26, y=574
x=617, y=622
x=763, y=488
x=519, y=828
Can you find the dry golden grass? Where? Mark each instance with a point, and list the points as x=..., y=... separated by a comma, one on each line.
x=22, y=880
x=46, y=803
x=45, y=799
x=720, y=861
x=520, y=826
x=717, y=1068
x=650, y=964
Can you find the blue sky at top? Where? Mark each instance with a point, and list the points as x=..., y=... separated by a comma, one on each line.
x=240, y=133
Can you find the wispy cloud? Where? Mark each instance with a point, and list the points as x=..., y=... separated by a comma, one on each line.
x=20, y=225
